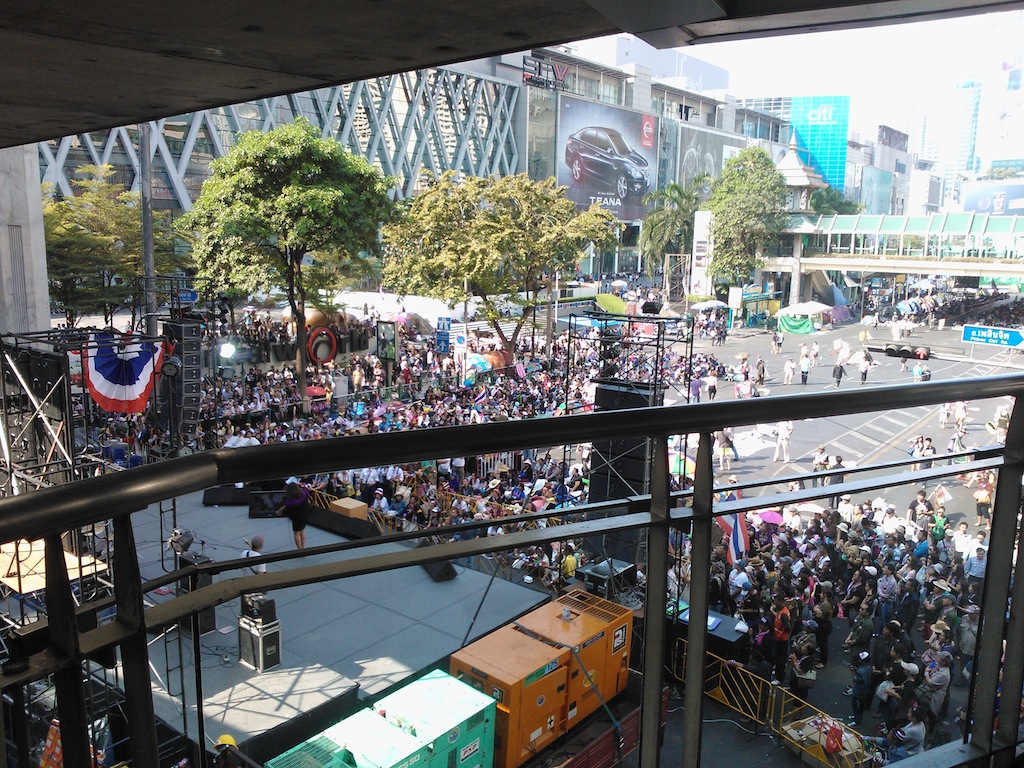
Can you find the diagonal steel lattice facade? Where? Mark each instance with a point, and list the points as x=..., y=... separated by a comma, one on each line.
x=428, y=120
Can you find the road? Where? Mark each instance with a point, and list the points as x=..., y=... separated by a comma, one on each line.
x=881, y=436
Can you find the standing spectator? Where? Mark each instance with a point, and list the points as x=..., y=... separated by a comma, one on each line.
x=783, y=434
x=819, y=463
x=255, y=549
x=788, y=370
x=860, y=690
x=782, y=629
x=296, y=507
x=805, y=368
x=887, y=593
x=865, y=366
x=974, y=567
x=837, y=373
x=760, y=371
x=711, y=381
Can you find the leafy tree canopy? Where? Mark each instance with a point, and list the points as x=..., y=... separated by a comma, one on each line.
x=500, y=237
x=94, y=246
x=748, y=212
x=281, y=201
x=668, y=227
x=832, y=201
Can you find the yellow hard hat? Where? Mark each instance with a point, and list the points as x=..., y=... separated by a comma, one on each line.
x=224, y=740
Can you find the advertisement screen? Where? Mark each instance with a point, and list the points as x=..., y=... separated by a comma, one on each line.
x=821, y=124
x=702, y=151
x=1000, y=198
x=606, y=155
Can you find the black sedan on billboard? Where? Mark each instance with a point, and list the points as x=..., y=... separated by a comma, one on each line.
x=604, y=156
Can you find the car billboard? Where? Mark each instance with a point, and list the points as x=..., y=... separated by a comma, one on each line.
x=607, y=155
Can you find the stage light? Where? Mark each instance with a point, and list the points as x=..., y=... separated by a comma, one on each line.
x=181, y=541
x=171, y=367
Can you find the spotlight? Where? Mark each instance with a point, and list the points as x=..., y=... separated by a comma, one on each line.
x=171, y=367
x=181, y=541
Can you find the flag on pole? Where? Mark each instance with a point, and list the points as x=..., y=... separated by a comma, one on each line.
x=737, y=537
x=481, y=397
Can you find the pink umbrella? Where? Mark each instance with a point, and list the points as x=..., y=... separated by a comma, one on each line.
x=770, y=516
x=400, y=317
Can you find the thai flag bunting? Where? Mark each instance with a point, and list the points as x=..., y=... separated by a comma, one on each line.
x=481, y=397
x=120, y=372
x=736, y=536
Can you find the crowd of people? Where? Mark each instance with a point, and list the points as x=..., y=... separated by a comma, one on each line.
x=901, y=588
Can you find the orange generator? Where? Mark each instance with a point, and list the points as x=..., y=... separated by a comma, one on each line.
x=600, y=632
x=528, y=679
x=531, y=669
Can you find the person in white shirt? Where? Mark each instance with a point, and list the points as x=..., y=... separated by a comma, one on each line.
x=963, y=541
x=789, y=370
x=380, y=502
x=255, y=550
x=783, y=434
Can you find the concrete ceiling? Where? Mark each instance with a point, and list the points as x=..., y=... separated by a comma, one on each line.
x=73, y=67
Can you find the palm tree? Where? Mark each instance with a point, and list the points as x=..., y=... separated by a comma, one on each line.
x=667, y=229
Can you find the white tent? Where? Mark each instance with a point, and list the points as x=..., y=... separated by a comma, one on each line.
x=804, y=309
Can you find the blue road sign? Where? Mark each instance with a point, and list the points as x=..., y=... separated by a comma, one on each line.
x=442, y=343
x=444, y=324
x=1007, y=338
x=188, y=297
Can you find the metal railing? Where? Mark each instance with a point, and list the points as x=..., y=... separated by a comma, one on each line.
x=48, y=513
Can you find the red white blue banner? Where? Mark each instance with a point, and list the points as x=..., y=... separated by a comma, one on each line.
x=120, y=371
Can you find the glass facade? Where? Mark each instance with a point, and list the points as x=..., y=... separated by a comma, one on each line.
x=431, y=120
x=821, y=125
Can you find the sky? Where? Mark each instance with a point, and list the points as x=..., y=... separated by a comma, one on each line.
x=883, y=69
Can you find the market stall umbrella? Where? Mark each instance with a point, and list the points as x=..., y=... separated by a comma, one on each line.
x=809, y=507
x=700, y=306
x=399, y=317
x=619, y=283
x=769, y=516
x=681, y=464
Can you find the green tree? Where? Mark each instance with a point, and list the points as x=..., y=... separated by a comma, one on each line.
x=832, y=201
x=500, y=240
x=279, y=202
x=748, y=212
x=667, y=229
x=94, y=246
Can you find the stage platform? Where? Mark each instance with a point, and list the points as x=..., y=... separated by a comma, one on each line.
x=371, y=631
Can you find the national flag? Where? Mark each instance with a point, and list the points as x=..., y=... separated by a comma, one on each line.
x=120, y=371
x=481, y=397
x=941, y=495
x=737, y=537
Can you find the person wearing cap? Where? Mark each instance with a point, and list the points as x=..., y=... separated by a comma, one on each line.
x=255, y=549
x=782, y=629
x=819, y=463
x=846, y=508
x=968, y=642
x=935, y=686
x=861, y=689
x=783, y=434
x=380, y=503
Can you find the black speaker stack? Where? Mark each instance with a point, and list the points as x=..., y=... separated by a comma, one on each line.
x=621, y=467
x=187, y=347
x=207, y=616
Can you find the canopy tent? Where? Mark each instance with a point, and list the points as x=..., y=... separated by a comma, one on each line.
x=702, y=306
x=799, y=318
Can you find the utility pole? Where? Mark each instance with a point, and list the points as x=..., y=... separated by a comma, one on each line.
x=148, y=257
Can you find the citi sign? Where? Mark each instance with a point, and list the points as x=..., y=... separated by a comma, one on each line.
x=821, y=115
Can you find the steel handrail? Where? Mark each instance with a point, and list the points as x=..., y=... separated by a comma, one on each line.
x=94, y=499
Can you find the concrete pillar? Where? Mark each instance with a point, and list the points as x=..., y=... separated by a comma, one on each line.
x=24, y=295
x=796, y=281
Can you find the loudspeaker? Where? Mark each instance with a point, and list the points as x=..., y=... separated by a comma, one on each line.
x=207, y=616
x=442, y=570
x=258, y=608
x=188, y=349
x=621, y=467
